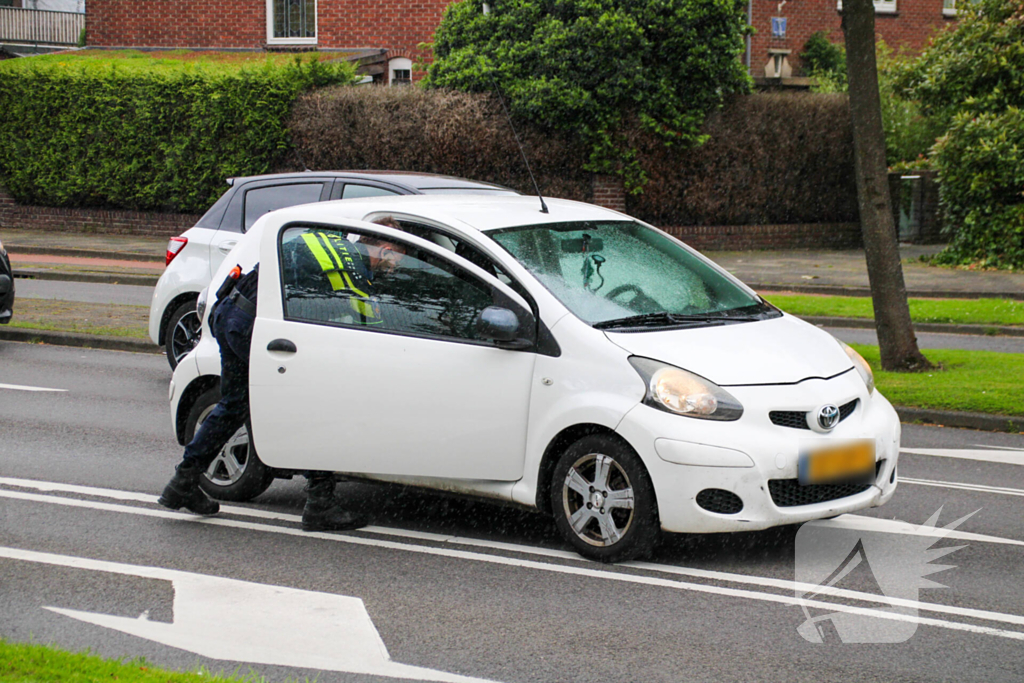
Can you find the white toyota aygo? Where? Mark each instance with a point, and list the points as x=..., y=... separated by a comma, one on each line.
x=575, y=361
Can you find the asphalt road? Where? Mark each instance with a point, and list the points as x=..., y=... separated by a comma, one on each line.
x=453, y=588
x=86, y=292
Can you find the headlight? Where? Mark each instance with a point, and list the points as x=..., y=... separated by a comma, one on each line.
x=863, y=369
x=677, y=391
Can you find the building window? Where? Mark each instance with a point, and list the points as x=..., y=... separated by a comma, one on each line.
x=881, y=6
x=949, y=8
x=291, y=22
x=401, y=71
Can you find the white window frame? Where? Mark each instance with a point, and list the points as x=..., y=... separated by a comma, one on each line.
x=271, y=40
x=398, y=64
x=881, y=6
x=949, y=11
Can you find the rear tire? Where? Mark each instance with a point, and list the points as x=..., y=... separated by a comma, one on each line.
x=182, y=335
x=237, y=474
x=603, y=500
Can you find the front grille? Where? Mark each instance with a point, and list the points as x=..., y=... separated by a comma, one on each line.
x=788, y=493
x=797, y=419
x=720, y=501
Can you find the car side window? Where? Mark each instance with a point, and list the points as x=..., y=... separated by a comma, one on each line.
x=354, y=191
x=260, y=200
x=350, y=279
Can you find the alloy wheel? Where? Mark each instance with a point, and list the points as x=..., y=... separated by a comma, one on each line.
x=598, y=499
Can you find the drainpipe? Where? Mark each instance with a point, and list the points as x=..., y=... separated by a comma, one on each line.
x=750, y=22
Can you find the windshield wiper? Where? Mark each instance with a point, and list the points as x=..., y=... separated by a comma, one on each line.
x=661, y=319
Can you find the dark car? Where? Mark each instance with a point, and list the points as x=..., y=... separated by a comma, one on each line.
x=193, y=256
x=6, y=287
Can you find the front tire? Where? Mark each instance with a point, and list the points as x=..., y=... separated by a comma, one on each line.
x=603, y=500
x=237, y=474
x=183, y=330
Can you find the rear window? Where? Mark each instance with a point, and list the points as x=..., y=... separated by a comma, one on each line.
x=211, y=219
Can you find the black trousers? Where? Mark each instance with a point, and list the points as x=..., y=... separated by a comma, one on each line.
x=232, y=327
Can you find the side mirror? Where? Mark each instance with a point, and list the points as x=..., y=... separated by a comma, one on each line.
x=497, y=324
x=501, y=326
x=5, y=285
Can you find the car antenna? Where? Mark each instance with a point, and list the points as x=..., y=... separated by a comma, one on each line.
x=508, y=117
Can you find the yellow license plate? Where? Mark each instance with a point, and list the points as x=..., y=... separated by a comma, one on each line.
x=851, y=462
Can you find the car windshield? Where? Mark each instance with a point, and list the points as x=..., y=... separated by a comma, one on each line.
x=621, y=274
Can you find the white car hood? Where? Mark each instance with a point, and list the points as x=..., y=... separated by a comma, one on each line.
x=776, y=351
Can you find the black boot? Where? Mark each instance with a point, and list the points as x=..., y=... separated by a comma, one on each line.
x=323, y=512
x=183, y=491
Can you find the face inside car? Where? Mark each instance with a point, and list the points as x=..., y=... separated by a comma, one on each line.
x=579, y=362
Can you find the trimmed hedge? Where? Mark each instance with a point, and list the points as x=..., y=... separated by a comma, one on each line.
x=433, y=131
x=132, y=131
x=771, y=158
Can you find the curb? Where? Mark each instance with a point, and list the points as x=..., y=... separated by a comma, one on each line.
x=85, y=253
x=843, y=290
x=75, y=276
x=944, y=328
x=951, y=418
x=945, y=418
x=91, y=341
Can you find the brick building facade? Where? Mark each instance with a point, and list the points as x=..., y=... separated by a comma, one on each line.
x=900, y=23
x=399, y=26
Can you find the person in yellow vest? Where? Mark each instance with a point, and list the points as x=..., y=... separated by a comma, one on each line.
x=321, y=262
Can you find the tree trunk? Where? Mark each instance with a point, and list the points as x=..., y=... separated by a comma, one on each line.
x=896, y=340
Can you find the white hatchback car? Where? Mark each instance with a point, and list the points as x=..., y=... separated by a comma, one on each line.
x=578, y=361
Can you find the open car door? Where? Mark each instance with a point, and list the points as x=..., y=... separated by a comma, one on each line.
x=416, y=389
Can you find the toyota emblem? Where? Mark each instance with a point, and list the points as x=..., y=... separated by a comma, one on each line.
x=828, y=416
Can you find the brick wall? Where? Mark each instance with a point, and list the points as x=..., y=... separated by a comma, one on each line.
x=13, y=215
x=395, y=24
x=608, y=192
x=910, y=26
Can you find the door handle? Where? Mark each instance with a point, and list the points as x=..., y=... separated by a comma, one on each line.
x=226, y=247
x=282, y=345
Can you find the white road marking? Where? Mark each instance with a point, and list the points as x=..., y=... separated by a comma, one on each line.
x=1005, y=448
x=1009, y=457
x=19, y=387
x=978, y=488
x=607, y=574
x=241, y=621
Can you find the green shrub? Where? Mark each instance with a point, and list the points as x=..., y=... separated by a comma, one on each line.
x=599, y=68
x=133, y=131
x=909, y=134
x=973, y=77
x=981, y=170
x=823, y=59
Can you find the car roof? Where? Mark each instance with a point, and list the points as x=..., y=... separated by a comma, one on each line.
x=479, y=212
x=409, y=179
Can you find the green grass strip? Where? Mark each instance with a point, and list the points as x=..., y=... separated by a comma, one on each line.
x=24, y=663
x=970, y=381
x=1003, y=312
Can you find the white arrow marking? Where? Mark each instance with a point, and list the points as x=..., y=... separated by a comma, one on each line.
x=893, y=526
x=19, y=387
x=239, y=621
x=1009, y=457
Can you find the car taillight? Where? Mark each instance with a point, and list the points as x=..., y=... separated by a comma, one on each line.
x=174, y=247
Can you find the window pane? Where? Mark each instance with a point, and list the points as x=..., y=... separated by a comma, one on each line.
x=264, y=199
x=354, y=191
x=608, y=270
x=344, y=278
x=294, y=18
